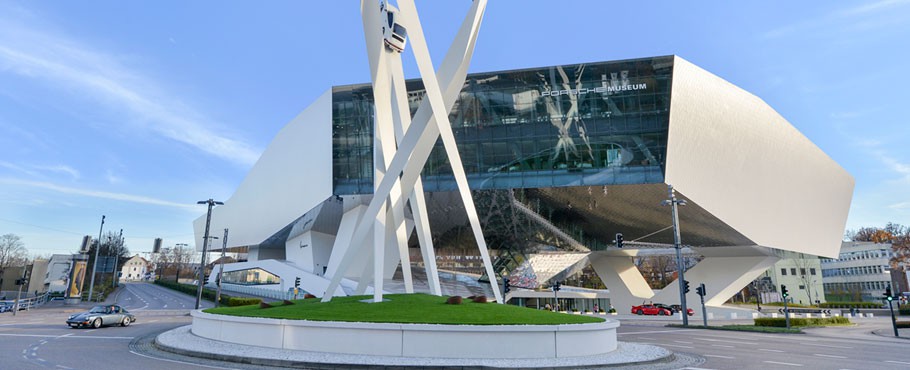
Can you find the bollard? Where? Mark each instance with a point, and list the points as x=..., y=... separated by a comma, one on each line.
x=755, y=315
x=732, y=315
x=870, y=315
x=774, y=315
x=822, y=315
x=808, y=315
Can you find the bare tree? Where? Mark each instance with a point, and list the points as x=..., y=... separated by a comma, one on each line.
x=804, y=266
x=12, y=251
x=180, y=257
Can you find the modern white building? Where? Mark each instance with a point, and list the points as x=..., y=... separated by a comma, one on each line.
x=861, y=272
x=575, y=153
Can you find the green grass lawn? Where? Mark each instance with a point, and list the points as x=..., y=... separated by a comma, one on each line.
x=407, y=308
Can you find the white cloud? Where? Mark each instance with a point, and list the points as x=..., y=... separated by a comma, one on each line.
x=28, y=49
x=36, y=170
x=837, y=16
x=99, y=194
x=61, y=169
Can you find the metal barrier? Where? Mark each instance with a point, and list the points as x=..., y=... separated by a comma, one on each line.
x=255, y=291
x=27, y=303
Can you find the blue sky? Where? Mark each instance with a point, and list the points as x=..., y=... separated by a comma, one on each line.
x=136, y=110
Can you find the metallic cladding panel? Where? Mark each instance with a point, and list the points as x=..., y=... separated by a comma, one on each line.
x=738, y=159
x=292, y=175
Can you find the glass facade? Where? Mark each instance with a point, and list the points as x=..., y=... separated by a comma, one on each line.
x=254, y=276
x=575, y=125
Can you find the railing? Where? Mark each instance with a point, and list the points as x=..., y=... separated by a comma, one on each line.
x=27, y=303
x=256, y=291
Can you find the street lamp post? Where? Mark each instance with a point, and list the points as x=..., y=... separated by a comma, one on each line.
x=205, y=244
x=220, y=269
x=91, y=287
x=673, y=203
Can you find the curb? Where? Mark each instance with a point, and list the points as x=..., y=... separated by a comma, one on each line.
x=889, y=333
x=281, y=362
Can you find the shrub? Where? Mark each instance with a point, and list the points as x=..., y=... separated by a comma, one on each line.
x=454, y=300
x=480, y=299
x=308, y=295
x=799, y=321
x=849, y=305
x=287, y=302
x=264, y=305
x=602, y=310
x=903, y=324
x=904, y=310
x=241, y=301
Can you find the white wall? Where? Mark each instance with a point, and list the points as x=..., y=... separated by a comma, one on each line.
x=292, y=176
x=737, y=158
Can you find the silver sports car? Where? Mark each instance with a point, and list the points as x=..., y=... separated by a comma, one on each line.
x=99, y=316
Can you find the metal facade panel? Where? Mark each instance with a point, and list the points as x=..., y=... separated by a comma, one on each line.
x=293, y=175
x=741, y=161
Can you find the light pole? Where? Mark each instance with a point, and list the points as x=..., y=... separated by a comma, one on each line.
x=220, y=269
x=673, y=203
x=91, y=287
x=205, y=244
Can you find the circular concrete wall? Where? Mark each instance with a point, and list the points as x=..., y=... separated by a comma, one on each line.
x=412, y=340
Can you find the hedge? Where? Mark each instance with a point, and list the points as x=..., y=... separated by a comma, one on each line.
x=850, y=305
x=799, y=321
x=903, y=324
x=904, y=310
x=209, y=294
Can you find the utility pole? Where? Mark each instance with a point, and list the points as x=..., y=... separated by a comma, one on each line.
x=221, y=270
x=205, y=244
x=91, y=287
x=677, y=244
x=116, y=254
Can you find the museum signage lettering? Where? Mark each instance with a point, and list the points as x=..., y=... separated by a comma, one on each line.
x=601, y=89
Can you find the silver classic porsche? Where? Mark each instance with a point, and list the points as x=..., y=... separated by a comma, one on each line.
x=99, y=316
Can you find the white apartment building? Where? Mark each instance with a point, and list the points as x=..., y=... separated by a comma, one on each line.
x=135, y=268
x=860, y=273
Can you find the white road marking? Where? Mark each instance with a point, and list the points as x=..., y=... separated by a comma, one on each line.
x=782, y=363
x=827, y=345
x=899, y=362
x=181, y=362
x=770, y=350
x=726, y=341
x=719, y=356
x=655, y=332
x=673, y=345
x=682, y=341
x=832, y=356
x=647, y=338
x=722, y=345
x=62, y=336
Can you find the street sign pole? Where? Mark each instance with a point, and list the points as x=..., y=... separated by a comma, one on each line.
x=893, y=320
x=787, y=312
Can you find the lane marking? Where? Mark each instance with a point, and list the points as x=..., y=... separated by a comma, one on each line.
x=827, y=345
x=722, y=345
x=832, y=356
x=899, y=362
x=725, y=341
x=658, y=331
x=782, y=363
x=770, y=350
x=673, y=345
x=181, y=362
x=682, y=341
x=62, y=336
x=719, y=356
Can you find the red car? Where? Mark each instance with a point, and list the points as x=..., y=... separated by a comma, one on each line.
x=651, y=309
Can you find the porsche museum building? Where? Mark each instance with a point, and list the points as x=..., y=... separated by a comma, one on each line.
x=559, y=159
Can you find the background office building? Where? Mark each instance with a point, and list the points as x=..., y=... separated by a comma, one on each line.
x=558, y=158
x=860, y=273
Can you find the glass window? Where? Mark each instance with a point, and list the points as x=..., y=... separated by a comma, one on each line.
x=783, y=271
x=812, y=271
x=802, y=271
x=793, y=271
x=255, y=276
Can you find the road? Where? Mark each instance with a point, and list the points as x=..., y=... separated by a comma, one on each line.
x=39, y=339
x=845, y=347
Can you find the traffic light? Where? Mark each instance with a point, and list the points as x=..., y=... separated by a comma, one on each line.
x=685, y=286
x=784, y=292
x=297, y=282
x=506, y=286
x=888, y=294
x=700, y=290
x=619, y=240
x=557, y=287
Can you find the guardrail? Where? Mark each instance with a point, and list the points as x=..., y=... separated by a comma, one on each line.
x=256, y=291
x=26, y=303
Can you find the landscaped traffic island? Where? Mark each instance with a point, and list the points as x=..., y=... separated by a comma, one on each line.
x=410, y=325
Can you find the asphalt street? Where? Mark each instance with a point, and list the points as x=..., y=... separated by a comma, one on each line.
x=39, y=339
